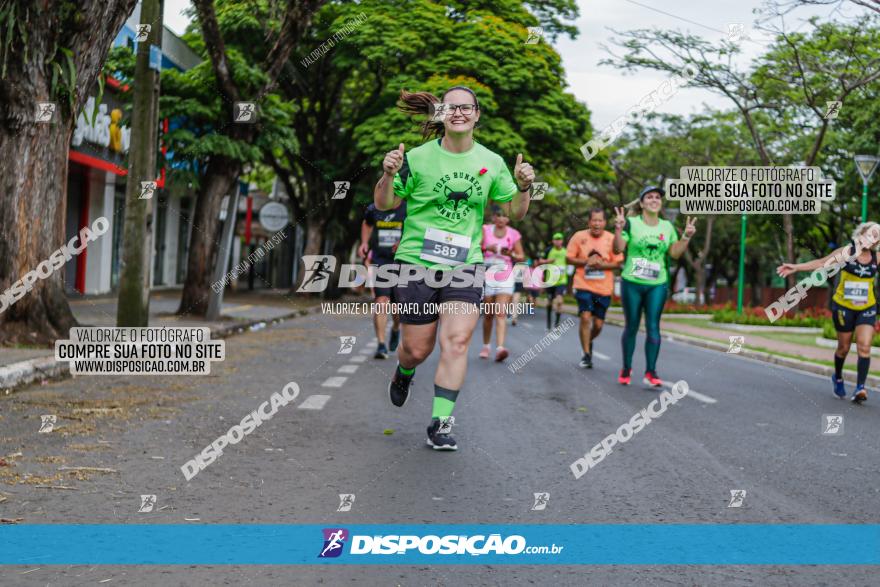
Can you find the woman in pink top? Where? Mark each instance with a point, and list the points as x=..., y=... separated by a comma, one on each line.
x=502, y=247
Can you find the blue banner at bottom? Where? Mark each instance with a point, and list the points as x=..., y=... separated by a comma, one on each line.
x=524, y=544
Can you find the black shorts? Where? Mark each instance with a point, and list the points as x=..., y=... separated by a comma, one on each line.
x=846, y=319
x=555, y=290
x=379, y=292
x=593, y=303
x=414, y=299
x=518, y=286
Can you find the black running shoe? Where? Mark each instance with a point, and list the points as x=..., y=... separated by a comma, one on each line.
x=398, y=389
x=381, y=352
x=395, y=339
x=587, y=361
x=439, y=434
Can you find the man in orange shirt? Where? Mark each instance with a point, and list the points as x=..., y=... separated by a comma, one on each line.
x=592, y=253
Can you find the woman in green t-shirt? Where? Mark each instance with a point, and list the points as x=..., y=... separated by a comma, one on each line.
x=447, y=183
x=647, y=240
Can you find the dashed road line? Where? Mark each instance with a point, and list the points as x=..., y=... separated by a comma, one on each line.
x=335, y=381
x=314, y=402
x=358, y=358
x=694, y=394
x=347, y=369
x=599, y=355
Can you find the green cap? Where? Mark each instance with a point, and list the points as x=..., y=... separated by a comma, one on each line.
x=557, y=235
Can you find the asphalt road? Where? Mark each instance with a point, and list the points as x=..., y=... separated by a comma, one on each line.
x=748, y=426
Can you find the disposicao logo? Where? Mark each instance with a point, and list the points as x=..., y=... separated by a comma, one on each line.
x=334, y=540
x=403, y=544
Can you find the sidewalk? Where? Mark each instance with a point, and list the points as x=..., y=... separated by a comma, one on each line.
x=240, y=310
x=804, y=357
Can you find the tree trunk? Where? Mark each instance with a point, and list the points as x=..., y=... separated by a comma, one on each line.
x=133, y=308
x=700, y=276
x=314, y=235
x=313, y=245
x=33, y=167
x=698, y=263
x=341, y=252
x=219, y=181
x=788, y=226
x=754, y=277
x=32, y=214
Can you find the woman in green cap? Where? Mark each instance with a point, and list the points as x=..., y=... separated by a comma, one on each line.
x=555, y=255
x=646, y=239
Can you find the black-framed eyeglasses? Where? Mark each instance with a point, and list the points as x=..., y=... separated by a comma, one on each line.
x=466, y=109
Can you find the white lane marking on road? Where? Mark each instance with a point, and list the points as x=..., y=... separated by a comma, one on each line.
x=347, y=369
x=358, y=358
x=365, y=351
x=599, y=355
x=314, y=402
x=334, y=381
x=694, y=394
x=738, y=357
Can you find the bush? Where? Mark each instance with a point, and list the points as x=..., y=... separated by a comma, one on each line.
x=811, y=317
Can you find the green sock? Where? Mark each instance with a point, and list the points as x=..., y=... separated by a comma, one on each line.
x=404, y=370
x=444, y=402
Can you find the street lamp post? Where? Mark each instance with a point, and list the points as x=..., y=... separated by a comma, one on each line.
x=866, y=165
x=742, y=266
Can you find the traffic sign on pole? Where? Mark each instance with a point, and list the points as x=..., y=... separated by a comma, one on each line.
x=866, y=165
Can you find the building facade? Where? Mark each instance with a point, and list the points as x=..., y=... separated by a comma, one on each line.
x=96, y=183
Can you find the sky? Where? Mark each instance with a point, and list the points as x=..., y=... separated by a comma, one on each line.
x=608, y=92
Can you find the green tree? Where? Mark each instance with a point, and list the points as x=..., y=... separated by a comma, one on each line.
x=654, y=150
x=242, y=70
x=348, y=117
x=781, y=98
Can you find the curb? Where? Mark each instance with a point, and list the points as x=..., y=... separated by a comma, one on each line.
x=759, y=329
x=829, y=343
x=46, y=368
x=24, y=372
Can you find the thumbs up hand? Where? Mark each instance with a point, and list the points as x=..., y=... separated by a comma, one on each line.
x=523, y=174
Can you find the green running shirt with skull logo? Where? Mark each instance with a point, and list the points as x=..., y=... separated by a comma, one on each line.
x=446, y=195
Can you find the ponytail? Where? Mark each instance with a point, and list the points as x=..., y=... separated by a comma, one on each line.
x=422, y=104
x=634, y=208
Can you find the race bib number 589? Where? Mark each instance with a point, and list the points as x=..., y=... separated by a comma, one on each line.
x=448, y=248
